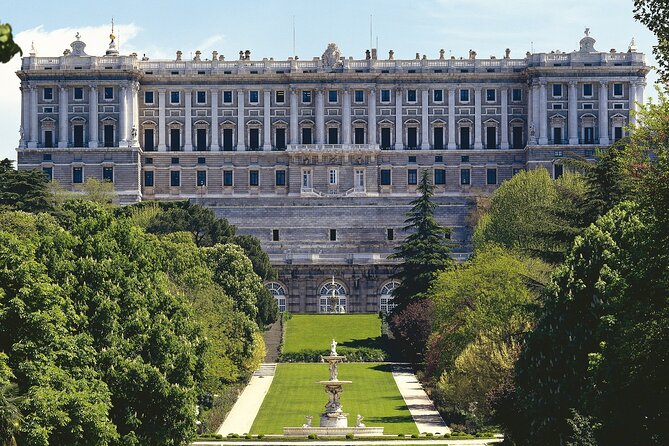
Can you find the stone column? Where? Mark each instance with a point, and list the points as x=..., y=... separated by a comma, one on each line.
x=25, y=116
x=241, y=127
x=451, y=118
x=123, y=117
x=34, y=125
x=320, y=117
x=93, y=122
x=399, y=128
x=504, y=137
x=639, y=91
x=188, y=133
x=632, y=104
x=478, y=125
x=603, y=113
x=573, y=113
x=543, y=113
x=346, y=117
x=162, y=125
x=62, y=118
x=214, y=121
x=267, y=120
x=294, y=123
x=135, y=113
x=535, y=110
x=371, y=117
x=424, y=120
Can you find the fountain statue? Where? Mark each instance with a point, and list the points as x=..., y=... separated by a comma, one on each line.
x=333, y=421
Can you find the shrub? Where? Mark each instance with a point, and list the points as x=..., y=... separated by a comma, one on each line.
x=361, y=354
x=349, y=436
x=447, y=435
x=260, y=436
x=233, y=435
x=414, y=435
x=312, y=437
x=248, y=436
x=400, y=435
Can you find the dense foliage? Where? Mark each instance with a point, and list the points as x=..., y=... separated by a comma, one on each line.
x=655, y=15
x=595, y=368
x=8, y=48
x=110, y=334
x=26, y=190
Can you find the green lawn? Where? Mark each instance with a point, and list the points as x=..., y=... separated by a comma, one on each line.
x=315, y=331
x=294, y=394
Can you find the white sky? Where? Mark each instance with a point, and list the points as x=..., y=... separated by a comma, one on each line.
x=160, y=28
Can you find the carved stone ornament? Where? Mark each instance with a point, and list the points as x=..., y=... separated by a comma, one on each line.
x=331, y=56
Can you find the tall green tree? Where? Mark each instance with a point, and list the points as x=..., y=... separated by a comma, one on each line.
x=25, y=190
x=424, y=252
x=655, y=15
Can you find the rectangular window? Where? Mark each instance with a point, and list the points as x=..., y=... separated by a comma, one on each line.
x=558, y=170
x=306, y=96
x=464, y=95
x=557, y=90
x=385, y=137
x=465, y=176
x=412, y=159
x=201, y=177
x=109, y=92
x=390, y=234
x=385, y=95
x=412, y=177
x=201, y=97
x=332, y=96
x=227, y=140
x=46, y=157
x=438, y=95
x=275, y=235
x=412, y=137
x=148, y=160
x=77, y=175
x=358, y=135
x=254, y=139
x=464, y=159
x=78, y=135
x=175, y=139
x=587, y=89
x=48, y=138
x=618, y=106
x=227, y=97
x=517, y=137
x=148, y=178
x=588, y=135
x=491, y=137
x=200, y=139
x=490, y=95
x=439, y=159
x=175, y=178
x=254, y=97
x=280, y=178
x=617, y=133
x=148, y=139
x=617, y=89
x=385, y=177
x=48, y=173
x=333, y=135
x=175, y=97
x=411, y=95
x=280, y=97
x=108, y=135
x=359, y=96
x=439, y=176
x=47, y=94
x=464, y=138
x=254, y=179
x=201, y=160
x=174, y=160
x=491, y=176
x=333, y=235
x=333, y=177
x=227, y=178
x=108, y=174
x=306, y=135
x=280, y=138
x=148, y=97
x=516, y=95
x=78, y=93
x=438, y=138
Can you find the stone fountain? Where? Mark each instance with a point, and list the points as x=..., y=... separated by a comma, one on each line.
x=333, y=421
x=333, y=415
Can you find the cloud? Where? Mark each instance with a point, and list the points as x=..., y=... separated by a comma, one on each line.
x=49, y=43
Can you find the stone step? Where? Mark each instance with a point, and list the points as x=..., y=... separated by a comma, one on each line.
x=266, y=369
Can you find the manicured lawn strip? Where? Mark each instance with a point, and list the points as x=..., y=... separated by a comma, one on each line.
x=294, y=394
x=315, y=331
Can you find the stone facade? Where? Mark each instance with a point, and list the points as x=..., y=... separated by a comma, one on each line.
x=320, y=158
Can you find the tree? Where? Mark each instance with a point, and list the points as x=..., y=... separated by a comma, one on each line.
x=25, y=190
x=534, y=214
x=655, y=15
x=8, y=48
x=424, y=252
x=10, y=415
x=412, y=327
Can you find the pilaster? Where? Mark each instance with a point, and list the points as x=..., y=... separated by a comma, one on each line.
x=241, y=127
x=215, y=147
x=573, y=114
x=425, y=120
x=478, y=125
x=93, y=120
x=123, y=117
x=451, y=118
x=603, y=113
x=543, y=113
x=62, y=117
x=162, y=125
x=371, y=116
x=294, y=125
x=267, y=120
x=504, y=137
x=346, y=116
x=320, y=117
x=188, y=134
x=399, y=127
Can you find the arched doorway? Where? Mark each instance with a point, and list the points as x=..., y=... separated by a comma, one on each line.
x=279, y=293
x=386, y=302
x=332, y=298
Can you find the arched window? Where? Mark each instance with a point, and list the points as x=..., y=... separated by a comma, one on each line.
x=332, y=298
x=279, y=293
x=386, y=303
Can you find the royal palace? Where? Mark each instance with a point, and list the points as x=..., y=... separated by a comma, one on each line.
x=320, y=158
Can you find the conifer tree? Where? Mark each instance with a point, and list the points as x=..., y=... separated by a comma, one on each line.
x=424, y=252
